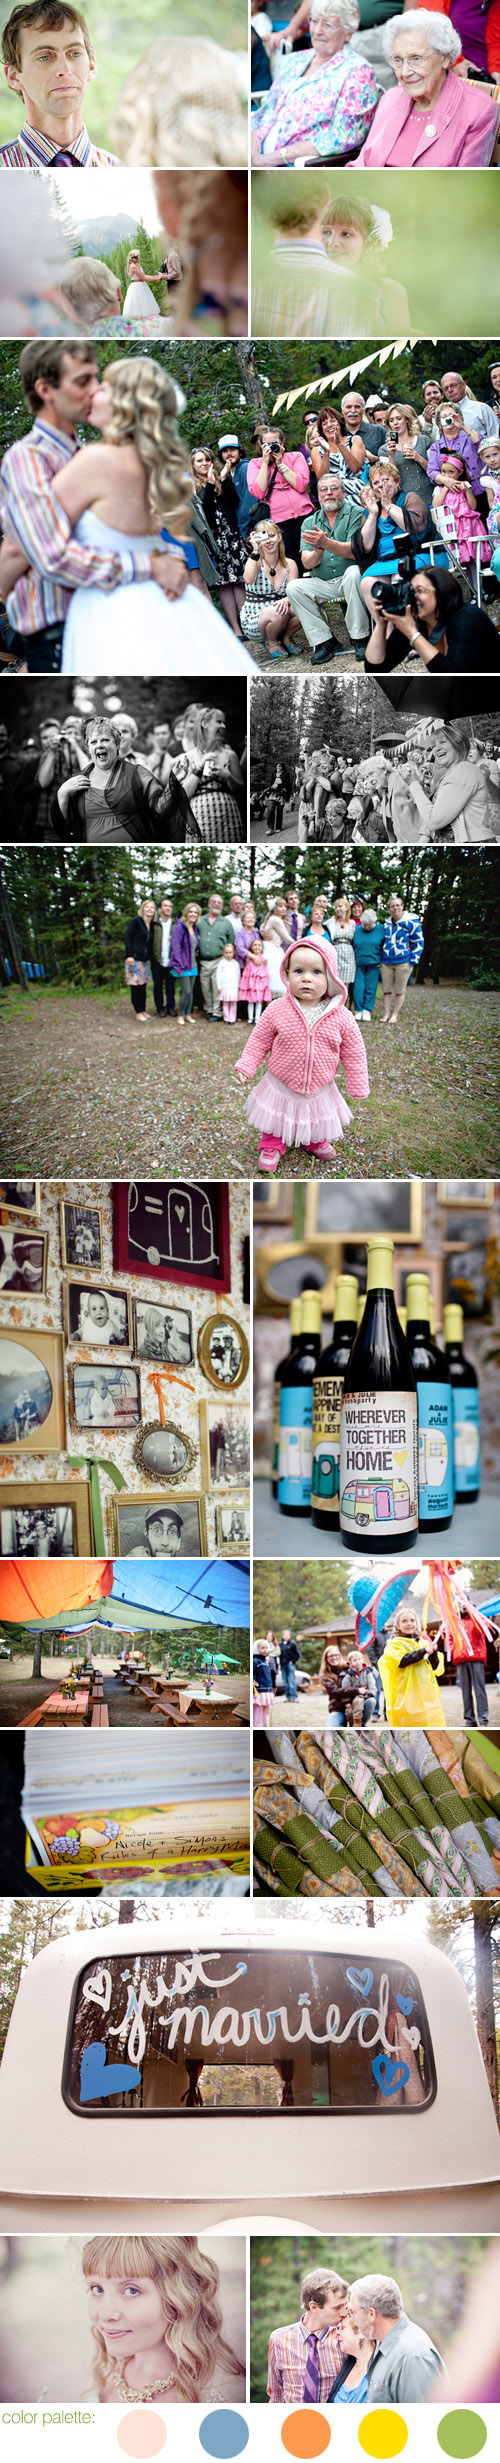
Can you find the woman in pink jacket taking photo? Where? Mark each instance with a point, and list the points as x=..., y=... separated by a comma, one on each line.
x=303, y=1036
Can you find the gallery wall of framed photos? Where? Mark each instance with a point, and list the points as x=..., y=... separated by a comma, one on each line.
x=124, y=1368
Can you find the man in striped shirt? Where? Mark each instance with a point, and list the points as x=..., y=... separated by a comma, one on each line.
x=49, y=57
x=305, y=2360
x=295, y=288
x=59, y=380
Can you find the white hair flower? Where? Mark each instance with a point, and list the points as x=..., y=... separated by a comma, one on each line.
x=382, y=226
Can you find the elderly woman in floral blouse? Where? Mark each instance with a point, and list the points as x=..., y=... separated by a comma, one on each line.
x=325, y=99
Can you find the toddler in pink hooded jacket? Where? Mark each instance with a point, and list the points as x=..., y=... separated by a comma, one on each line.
x=304, y=1035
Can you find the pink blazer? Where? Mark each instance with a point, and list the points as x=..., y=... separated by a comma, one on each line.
x=464, y=123
x=307, y=1057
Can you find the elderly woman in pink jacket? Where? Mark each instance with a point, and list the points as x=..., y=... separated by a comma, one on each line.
x=432, y=118
x=304, y=1036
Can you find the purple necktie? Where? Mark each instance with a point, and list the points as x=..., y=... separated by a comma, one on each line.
x=311, y=2380
x=64, y=162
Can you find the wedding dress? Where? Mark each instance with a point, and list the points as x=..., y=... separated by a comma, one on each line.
x=134, y=630
x=139, y=300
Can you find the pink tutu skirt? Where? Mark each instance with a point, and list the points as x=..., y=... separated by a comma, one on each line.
x=301, y=1120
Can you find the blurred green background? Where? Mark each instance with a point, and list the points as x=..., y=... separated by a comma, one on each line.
x=121, y=35
x=445, y=248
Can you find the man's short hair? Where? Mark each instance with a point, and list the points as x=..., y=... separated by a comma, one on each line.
x=91, y=288
x=293, y=207
x=46, y=359
x=317, y=2284
x=379, y=2292
x=50, y=14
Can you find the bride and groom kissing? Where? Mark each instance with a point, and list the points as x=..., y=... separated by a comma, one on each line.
x=97, y=564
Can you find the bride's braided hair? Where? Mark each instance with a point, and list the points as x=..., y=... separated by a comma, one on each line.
x=145, y=405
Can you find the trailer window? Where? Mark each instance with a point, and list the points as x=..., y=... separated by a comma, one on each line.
x=247, y=2030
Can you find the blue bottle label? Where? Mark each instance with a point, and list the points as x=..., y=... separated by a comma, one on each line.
x=467, y=1438
x=295, y=1445
x=435, y=1451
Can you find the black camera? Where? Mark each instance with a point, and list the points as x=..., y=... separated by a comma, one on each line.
x=396, y=596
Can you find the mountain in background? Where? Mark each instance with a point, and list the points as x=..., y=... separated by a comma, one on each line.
x=98, y=239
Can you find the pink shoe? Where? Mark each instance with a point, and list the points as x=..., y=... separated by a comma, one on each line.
x=271, y=1151
x=322, y=1148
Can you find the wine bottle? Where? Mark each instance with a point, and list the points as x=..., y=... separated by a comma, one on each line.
x=328, y=1387
x=435, y=1411
x=378, y=1426
x=466, y=1409
x=295, y=1439
x=295, y=1315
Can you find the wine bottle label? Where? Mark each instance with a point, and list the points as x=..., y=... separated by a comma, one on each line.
x=435, y=1451
x=325, y=1483
x=467, y=1438
x=379, y=1464
x=295, y=1445
x=275, y=1439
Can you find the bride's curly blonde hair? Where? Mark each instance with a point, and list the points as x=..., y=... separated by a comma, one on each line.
x=183, y=104
x=145, y=403
x=188, y=2285
x=210, y=213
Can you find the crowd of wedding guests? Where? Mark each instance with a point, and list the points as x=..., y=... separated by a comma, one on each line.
x=369, y=483
x=442, y=785
x=104, y=779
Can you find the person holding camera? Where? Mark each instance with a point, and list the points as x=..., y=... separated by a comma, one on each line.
x=267, y=612
x=390, y=532
x=447, y=636
x=280, y=481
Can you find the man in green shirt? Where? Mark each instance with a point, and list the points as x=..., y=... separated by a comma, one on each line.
x=215, y=929
x=405, y=2364
x=330, y=572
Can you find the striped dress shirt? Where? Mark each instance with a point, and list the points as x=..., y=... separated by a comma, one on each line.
x=299, y=291
x=288, y=2361
x=32, y=518
x=31, y=147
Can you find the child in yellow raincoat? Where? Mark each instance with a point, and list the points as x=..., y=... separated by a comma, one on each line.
x=412, y=1696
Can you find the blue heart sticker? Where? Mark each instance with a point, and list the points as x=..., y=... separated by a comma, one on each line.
x=405, y=2005
x=390, y=2075
x=361, y=1978
x=101, y=2077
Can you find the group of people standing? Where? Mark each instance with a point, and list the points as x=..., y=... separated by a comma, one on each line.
x=443, y=784
x=94, y=780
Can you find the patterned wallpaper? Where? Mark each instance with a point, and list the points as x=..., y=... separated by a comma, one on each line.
x=181, y=1405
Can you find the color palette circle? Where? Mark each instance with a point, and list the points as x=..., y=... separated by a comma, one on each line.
x=461, y=2435
x=224, y=2434
x=306, y=2435
x=141, y=2434
x=382, y=2435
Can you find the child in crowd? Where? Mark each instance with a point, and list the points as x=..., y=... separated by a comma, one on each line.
x=462, y=526
x=305, y=1034
x=255, y=987
x=228, y=983
x=489, y=455
x=273, y=954
x=412, y=1696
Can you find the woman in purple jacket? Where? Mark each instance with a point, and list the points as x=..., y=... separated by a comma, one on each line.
x=245, y=932
x=453, y=438
x=184, y=951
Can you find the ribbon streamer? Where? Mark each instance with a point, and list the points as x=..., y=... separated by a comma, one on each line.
x=92, y=1466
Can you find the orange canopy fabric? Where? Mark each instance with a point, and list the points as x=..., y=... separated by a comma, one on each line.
x=31, y=1589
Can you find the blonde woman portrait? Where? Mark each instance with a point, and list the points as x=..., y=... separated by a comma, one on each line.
x=132, y=491
x=157, y=2324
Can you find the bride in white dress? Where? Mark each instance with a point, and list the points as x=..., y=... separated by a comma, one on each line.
x=139, y=299
x=133, y=491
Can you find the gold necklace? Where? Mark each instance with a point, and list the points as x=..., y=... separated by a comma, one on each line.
x=143, y=2394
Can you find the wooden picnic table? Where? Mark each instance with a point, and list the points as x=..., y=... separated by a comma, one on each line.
x=56, y=1709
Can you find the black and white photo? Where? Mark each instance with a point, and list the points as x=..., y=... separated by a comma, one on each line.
x=97, y=1316
x=232, y=1528
x=23, y=1262
x=37, y=1530
x=162, y=1333
x=133, y=760
x=81, y=1235
x=225, y=1438
x=162, y=1526
x=354, y=762
x=105, y=1397
x=32, y=1396
x=223, y=1351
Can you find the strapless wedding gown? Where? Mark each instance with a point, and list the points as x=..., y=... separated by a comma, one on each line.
x=139, y=300
x=134, y=630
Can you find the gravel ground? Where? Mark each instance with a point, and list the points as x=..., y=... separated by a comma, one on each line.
x=86, y=1091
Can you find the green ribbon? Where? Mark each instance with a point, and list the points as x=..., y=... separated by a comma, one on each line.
x=82, y=1462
